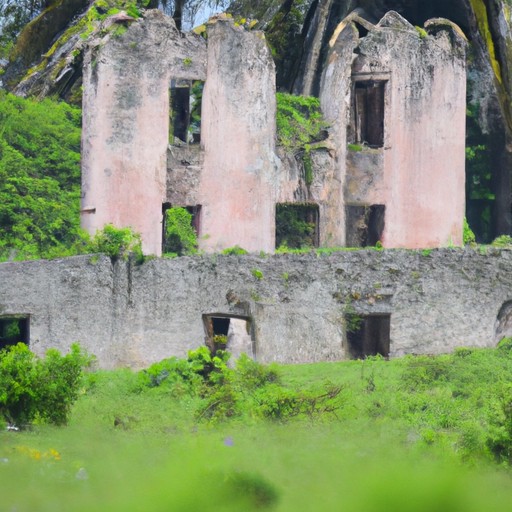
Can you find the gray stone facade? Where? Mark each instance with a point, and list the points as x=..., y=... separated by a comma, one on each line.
x=295, y=307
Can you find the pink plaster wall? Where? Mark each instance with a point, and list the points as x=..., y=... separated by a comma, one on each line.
x=126, y=124
x=422, y=178
x=424, y=152
x=238, y=181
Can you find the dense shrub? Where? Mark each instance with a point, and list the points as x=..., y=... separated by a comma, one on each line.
x=32, y=388
x=39, y=177
x=249, y=388
x=117, y=243
x=180, y=237
x=299, y=121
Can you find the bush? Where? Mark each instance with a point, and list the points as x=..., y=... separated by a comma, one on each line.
x=468, y=237
x=180, y=236
x=117, y=243
x=299, y=121
x=235, y=250
x=39, y=389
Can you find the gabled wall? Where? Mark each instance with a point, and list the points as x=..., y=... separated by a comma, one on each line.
x=126, y=122
x=419, y=171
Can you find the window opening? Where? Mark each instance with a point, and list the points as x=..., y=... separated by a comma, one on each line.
x=368, y=335
x=226, y=332
x=14, y=329
x=369, y=112
x=364, y=224
x=185, y=101
x=297, y=225
x=184, y=223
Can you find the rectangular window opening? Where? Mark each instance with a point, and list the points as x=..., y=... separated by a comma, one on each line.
x=185, y=110
x=364, y=224
x=181, y=238
x=297, y=225
x=368, y=335
x=14, y=329
x=226, y=332
x=369, y=112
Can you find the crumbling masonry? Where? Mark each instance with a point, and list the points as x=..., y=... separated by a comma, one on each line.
x=391, y=171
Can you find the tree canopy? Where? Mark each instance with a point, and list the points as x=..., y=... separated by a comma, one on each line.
x=39, y=177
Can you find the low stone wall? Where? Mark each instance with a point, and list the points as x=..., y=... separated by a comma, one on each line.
x=133, y=315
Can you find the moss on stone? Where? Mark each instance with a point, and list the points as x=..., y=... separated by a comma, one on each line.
x=37, y=35
x=480, y=10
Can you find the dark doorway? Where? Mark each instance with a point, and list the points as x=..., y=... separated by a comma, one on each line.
x=369, y=112
x=368, y=335
x=297, y=225
x=14, y=329
x=180, y=228
x=229, y=332
x=364, y=224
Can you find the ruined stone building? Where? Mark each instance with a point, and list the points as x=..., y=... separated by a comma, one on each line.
x=391, y=170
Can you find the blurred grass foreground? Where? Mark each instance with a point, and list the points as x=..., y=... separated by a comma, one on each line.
x=413, y=434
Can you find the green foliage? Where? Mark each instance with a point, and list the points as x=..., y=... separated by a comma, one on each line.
x=502, y=241
x=199, y=369
x=299, y=121
x=258, y=274
x=39, y=178
x=308, y=165
x=421, y=372
x=278, y=403
x=387, y=446
x=295, y=226
x=236, y=250
x=39, y=389
x=117, y=243
x=499, y=440
x=180, y=236
x=248, y=388
x=468, y=237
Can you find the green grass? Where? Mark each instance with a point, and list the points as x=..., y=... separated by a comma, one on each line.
x=414, y=434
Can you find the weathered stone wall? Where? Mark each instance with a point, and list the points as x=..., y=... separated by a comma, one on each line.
x=134, y=315
x=238, y=131
x=419, y=172
x=126, y=122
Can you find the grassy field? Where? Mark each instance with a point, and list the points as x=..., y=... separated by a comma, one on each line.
x=415, y=434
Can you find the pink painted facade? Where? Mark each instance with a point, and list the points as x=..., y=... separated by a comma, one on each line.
x=417, y=172
x=411, y=181
x=238, y=132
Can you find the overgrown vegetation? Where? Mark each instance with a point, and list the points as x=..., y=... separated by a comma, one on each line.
x=116, y=243
x=180, y=236
x=299, y=121
x=480, y=197
x=247, y=390
x=296, y=226
x=39, y=178
x=35, y=389
x=424, y=433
